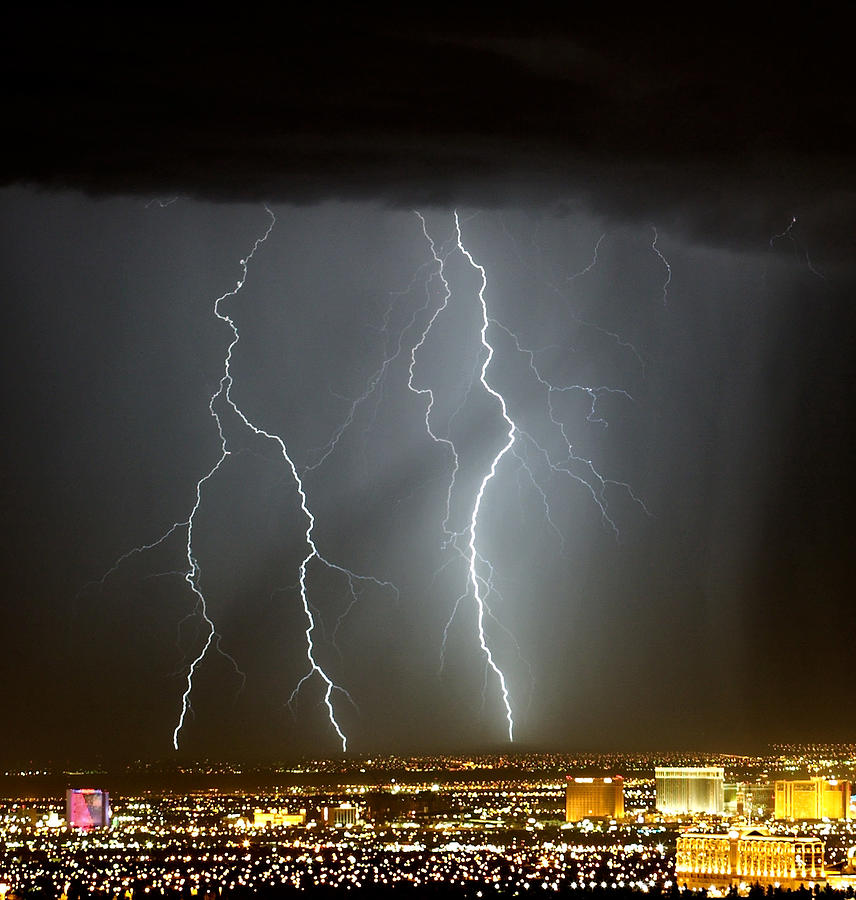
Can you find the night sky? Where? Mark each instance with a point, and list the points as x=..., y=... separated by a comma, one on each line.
x=661, y=210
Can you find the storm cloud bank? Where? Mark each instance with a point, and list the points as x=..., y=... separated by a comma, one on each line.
x=726, y=128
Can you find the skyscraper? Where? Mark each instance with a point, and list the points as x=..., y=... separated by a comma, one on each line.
x=345, y=814
x=587, y=798
x=689, y=789
x=815, y=798
x=87, y=808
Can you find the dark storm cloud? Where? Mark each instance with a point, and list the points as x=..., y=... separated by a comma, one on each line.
x=726, y=128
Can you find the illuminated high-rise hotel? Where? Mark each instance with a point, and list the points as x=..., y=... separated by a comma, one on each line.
x=87, y=808
x=685, y=789
x=591, y=798
x=816, y=798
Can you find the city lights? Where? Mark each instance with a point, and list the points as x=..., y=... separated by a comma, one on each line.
x=508, y=824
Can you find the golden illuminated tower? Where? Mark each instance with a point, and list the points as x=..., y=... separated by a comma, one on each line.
x=815, y=798
x=690, y=789
x=591, y=798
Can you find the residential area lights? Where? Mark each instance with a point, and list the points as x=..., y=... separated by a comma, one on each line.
x=502, y=824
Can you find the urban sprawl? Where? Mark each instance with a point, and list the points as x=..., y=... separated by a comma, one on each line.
x=485, y=824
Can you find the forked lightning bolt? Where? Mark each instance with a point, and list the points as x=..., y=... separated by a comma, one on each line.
x=429, y=393
x=315, y=669
x=475, y=580
x=480, y=587
x=532, y=457
x=518, y=442
x=562, y=294
x=798, y=248
x=193, y=571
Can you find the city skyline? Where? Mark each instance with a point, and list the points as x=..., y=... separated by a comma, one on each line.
x=423, y=387
x=414, y=823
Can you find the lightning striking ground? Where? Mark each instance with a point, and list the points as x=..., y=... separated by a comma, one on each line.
x=193, y=571
x=463, y=540
x=315, y=668
x=488, y=477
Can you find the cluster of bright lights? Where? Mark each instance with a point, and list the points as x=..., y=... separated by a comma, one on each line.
x=148, y=854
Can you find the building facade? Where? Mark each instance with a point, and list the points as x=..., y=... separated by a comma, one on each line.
x=815, y=798
x=689, y=789
x=87, y=808
x=590, y=798
x=339, y=815
x=277, y=818
x=750, y=856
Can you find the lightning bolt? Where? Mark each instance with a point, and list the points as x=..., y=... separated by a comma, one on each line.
x=192, y=573
x=798, y=249
x=315, y=669
x=593, y=262
x=475, y=581
x=470, y=555
x=480, y=587
x=554, y=287
x=428, y=392
x=665, y=262
x=193, y=569
x=162, y=202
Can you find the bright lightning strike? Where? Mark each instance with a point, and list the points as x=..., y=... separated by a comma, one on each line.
x=193, y=571
x=474, y=520
x=533, y=459
x=480, y=587
x=428, y=392
x=520, y=443
x=472, y=557
x=315, y=668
